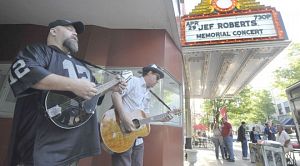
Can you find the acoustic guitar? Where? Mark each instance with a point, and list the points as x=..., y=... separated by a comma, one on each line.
x=68, y=111
x=116, y=138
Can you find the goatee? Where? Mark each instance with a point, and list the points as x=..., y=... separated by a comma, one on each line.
x=71, y=45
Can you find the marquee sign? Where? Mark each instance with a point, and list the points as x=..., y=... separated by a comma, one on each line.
x=231, y=28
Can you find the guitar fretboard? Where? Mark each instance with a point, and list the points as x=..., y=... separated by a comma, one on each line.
x=153, y=118
x=104, y=87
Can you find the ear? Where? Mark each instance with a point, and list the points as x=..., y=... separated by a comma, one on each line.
x=53, y=31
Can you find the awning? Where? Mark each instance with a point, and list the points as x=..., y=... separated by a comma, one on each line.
x=200, y=127
x=287, y=122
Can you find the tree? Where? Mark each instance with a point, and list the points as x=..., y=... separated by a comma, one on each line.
x=249, y=106
x=264, y=106
x=285, y=77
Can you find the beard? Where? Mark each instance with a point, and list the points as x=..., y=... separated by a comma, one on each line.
x=71, y=45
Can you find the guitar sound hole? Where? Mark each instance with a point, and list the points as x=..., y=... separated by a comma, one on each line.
x=136, y=123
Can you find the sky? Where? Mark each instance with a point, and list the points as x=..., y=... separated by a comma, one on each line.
x=290, y=12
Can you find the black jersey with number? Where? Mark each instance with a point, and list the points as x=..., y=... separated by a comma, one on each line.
x=35, y=139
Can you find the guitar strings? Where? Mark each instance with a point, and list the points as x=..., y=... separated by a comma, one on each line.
x=66, y=105
x=79, y=99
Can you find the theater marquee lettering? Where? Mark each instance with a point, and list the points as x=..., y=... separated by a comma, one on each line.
x=231, y=27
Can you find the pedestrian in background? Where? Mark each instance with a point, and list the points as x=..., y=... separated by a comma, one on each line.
x=228, y=140
x=270, y=131
x=284, y=139
x=242, y=138
x=254, y=135
x=218, y=141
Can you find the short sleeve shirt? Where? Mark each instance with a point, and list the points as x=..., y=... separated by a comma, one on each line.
x=284, y=137
x=226, y=129
x=136, y=97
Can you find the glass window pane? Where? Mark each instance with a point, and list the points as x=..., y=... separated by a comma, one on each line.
x=168, y=90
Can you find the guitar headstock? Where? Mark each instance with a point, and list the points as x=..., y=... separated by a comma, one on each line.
x=175, y=111
x=126, y=75
x=168, y=115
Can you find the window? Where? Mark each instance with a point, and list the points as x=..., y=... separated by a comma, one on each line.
x=7, y=99
x=279, y=108
x=167, y=90
x=286, y=107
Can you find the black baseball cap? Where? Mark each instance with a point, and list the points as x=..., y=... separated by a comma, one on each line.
x=78, y=25
x=154, y=68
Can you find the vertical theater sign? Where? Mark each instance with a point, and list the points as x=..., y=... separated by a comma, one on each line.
x=231, y=21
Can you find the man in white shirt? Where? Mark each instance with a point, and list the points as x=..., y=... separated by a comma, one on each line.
x=136, y=96
x=284, y=139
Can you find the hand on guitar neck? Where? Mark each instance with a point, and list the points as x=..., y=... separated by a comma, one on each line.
x=169, y=115
x=119, y=87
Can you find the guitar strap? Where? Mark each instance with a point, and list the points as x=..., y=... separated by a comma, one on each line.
x=95, y=66
x=160, y=100
x=83, y=61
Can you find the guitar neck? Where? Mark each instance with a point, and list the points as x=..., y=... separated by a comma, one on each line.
x=104, y=87
x=155, y=118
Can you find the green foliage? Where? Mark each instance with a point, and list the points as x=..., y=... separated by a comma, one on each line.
x=285, y=77
x=249, y=106
x=256, y=106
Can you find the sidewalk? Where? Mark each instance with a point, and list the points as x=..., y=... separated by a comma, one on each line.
x=206, y=157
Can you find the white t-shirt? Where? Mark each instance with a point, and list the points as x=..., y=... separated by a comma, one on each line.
x=282, y=138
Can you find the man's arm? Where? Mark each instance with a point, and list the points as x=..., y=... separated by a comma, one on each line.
x=118, y=105
x=80, y=87
x=287, y=139
x=286, y=143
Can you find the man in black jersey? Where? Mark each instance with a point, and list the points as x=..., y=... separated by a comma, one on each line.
x=35, y=140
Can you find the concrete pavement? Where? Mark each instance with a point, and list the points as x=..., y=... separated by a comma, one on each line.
x=206, y=157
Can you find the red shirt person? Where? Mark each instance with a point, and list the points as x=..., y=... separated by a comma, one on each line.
x=226, y=129
x=227, y=136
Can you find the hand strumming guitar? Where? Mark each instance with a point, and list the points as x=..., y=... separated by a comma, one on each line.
x=127, y=123
x=114, y=135
x=124, y=118
x=84, y=88
x=79, y=87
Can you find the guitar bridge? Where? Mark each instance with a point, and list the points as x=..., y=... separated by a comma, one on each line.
x=56, y=110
